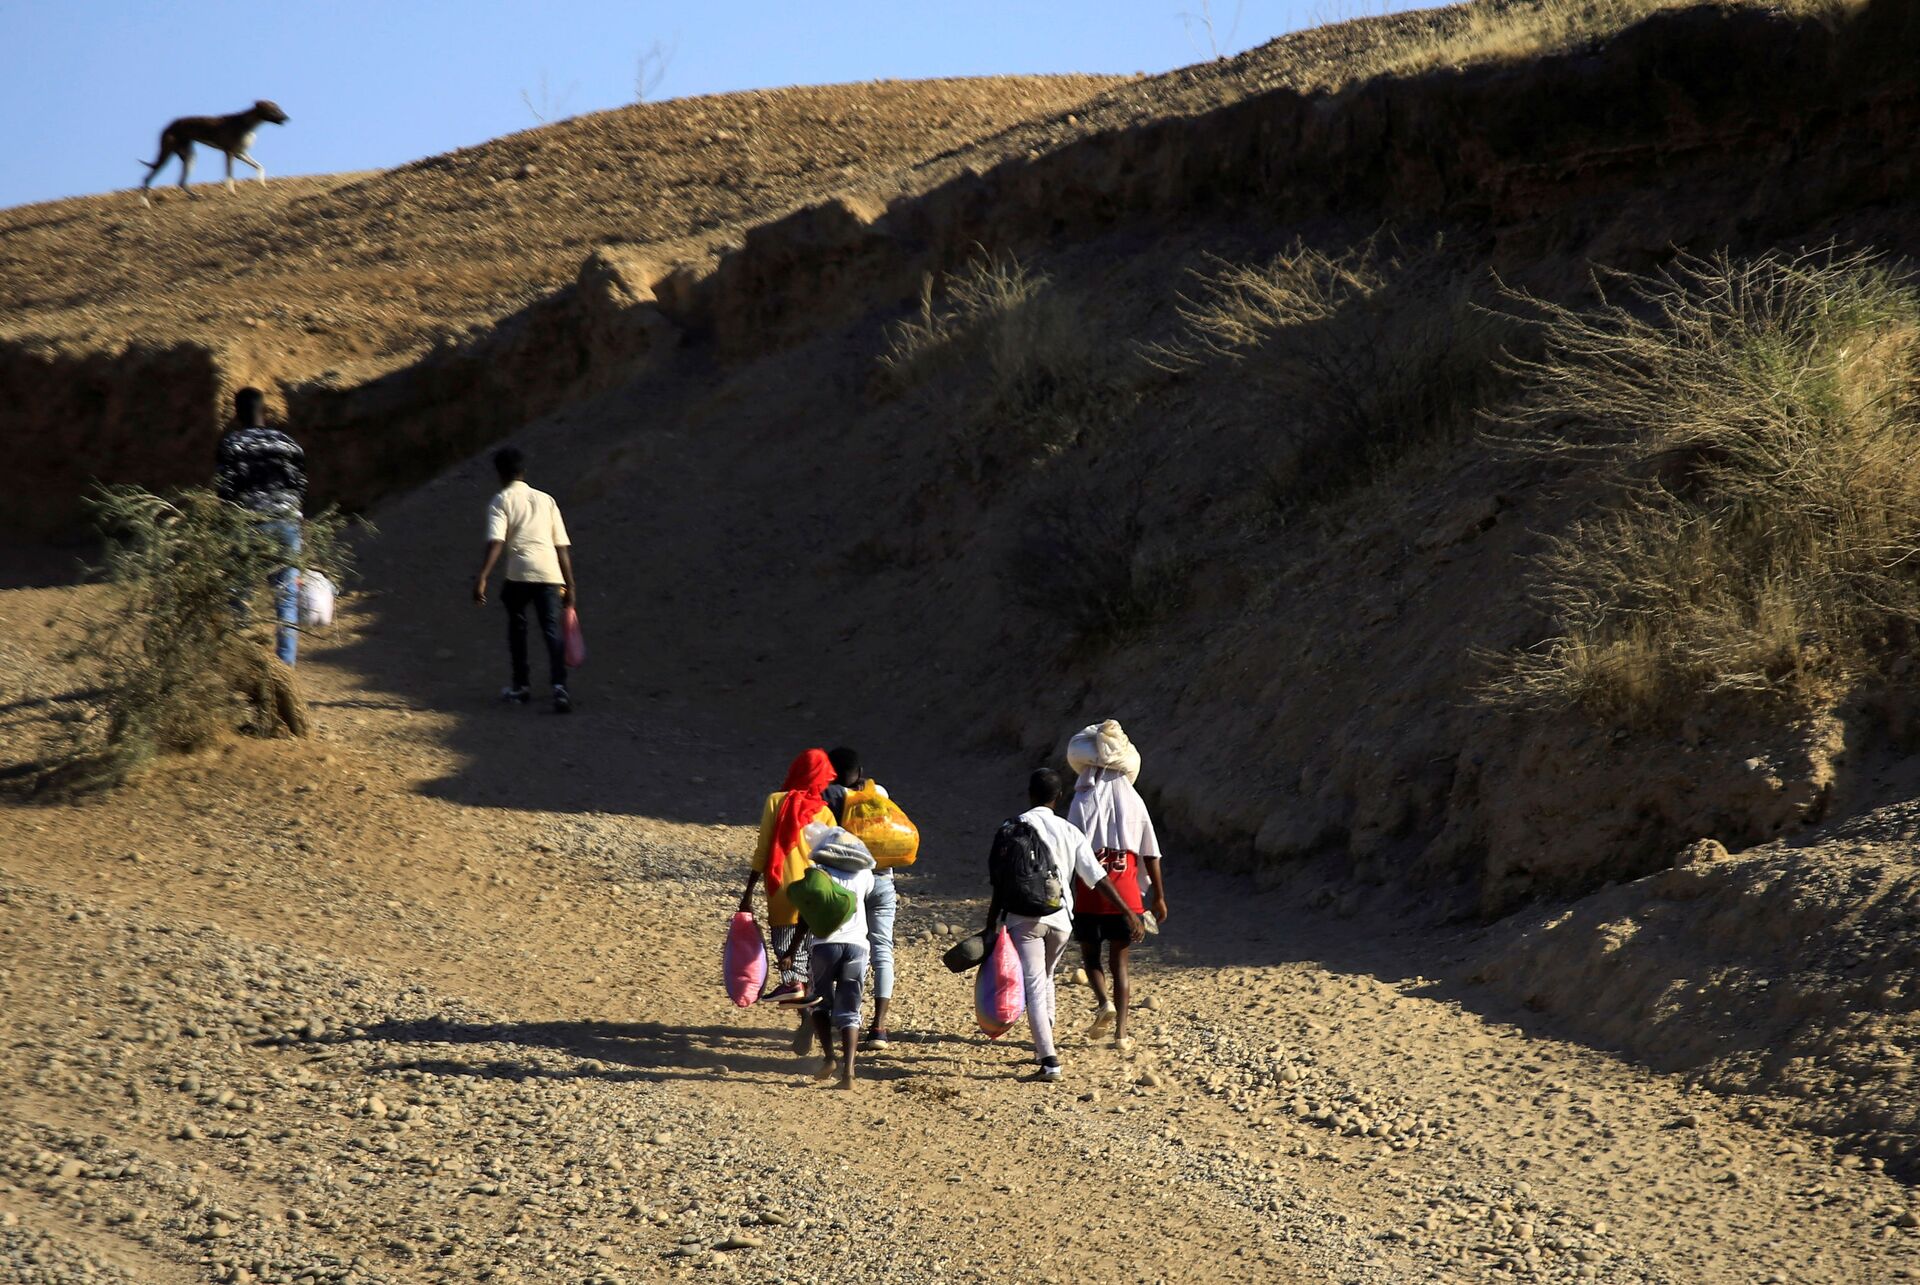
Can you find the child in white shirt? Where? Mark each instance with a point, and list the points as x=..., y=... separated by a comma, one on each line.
x=838, y=961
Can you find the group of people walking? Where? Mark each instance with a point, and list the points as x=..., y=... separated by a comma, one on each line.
x=1095, y=855
x=1091, y=860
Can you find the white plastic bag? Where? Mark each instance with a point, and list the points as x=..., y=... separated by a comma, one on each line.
x=316, y=600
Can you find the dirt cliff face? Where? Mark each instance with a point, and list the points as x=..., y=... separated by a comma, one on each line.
x=72, y=420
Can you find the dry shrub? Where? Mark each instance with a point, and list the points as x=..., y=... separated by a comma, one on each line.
x=959, y=315
x=1094, y=566
x=1031, y=378
x=1755, y=424
x=178, y=664
x=1519, y=30
x=1367, y=353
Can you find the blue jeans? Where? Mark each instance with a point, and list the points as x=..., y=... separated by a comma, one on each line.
x=883, y=903
x=516, y=596
x=838, y=971
x=286, y=589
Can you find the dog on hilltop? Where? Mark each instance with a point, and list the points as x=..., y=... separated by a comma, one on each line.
x=231, y=134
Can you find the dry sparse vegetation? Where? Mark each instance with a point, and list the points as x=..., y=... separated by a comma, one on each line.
x=1098, y=569
x=183, y=638
x=1031, y=376
x=1757, y=423
x=1516, y=30
x=1369, y=352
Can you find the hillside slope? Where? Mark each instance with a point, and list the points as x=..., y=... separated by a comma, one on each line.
x=812, y=504
x=334, y=283
x=372, y=267
x=123, y=328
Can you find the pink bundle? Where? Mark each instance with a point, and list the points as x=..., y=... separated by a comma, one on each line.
x=999, y=992
x=743, y=960
x=573, y=643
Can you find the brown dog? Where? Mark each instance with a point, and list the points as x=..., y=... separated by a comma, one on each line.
x=231, y=134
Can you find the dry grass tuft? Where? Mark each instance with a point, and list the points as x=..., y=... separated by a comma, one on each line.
x=1368, y=353
x=1493, y=31
x=975, y=310
x=1756, y=424
x=1032, y=379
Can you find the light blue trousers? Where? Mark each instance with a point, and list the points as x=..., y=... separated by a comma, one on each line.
x=883, y=904
x=286, y=590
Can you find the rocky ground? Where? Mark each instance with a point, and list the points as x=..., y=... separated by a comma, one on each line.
x=375, y=1009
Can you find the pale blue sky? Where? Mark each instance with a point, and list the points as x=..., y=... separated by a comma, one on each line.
x=373, y=83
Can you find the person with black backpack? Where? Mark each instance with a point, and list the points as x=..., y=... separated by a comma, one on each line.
x=1036, y=858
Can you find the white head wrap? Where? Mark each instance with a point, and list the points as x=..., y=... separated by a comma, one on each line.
x=1104, y=745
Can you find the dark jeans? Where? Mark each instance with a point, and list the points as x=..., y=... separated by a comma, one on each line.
x=518, y=595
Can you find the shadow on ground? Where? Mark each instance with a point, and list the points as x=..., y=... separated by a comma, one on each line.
x=621, y=1051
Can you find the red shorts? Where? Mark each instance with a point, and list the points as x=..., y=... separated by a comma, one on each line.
x=1123, y=868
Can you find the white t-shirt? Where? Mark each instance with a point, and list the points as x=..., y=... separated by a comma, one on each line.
x=859, y=883
x=529, y=523
x=1072, y=855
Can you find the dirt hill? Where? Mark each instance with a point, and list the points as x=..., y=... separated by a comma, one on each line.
x=371, y=268
x=124, y=326
x=328, y=286
x=1449, y=989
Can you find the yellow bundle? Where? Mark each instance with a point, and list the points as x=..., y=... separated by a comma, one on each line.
x=878, y=822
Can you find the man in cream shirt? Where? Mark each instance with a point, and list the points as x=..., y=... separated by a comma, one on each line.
x=526, y=524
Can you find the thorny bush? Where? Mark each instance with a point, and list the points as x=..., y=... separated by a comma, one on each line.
x=183, y=650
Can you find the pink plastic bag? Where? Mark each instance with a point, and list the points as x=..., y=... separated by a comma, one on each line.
x=572, y=642
x=999, y=992
x=743, y=961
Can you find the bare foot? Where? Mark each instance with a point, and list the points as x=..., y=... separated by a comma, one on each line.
x=825, y=1070
x=846, y=1080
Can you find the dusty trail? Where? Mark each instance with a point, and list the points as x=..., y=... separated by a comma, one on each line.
x=356, y=1013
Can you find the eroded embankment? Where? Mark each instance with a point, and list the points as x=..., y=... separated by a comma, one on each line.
x=1771, y=125
x=1782, y=971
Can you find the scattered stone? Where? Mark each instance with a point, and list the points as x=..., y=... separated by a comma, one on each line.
x=1700, y=852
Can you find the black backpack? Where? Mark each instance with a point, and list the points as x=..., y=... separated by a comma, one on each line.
x=1022, y=872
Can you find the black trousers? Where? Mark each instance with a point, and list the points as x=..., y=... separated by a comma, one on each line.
x=517, y=596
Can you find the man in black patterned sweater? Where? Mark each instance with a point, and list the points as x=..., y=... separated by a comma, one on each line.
x=263, y=469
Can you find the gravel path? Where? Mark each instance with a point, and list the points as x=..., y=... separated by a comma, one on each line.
x=328, y=1012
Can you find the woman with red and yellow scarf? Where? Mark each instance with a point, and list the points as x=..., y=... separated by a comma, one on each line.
x=780, y=857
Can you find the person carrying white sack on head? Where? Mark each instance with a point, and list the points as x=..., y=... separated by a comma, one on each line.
x=1111, y=813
